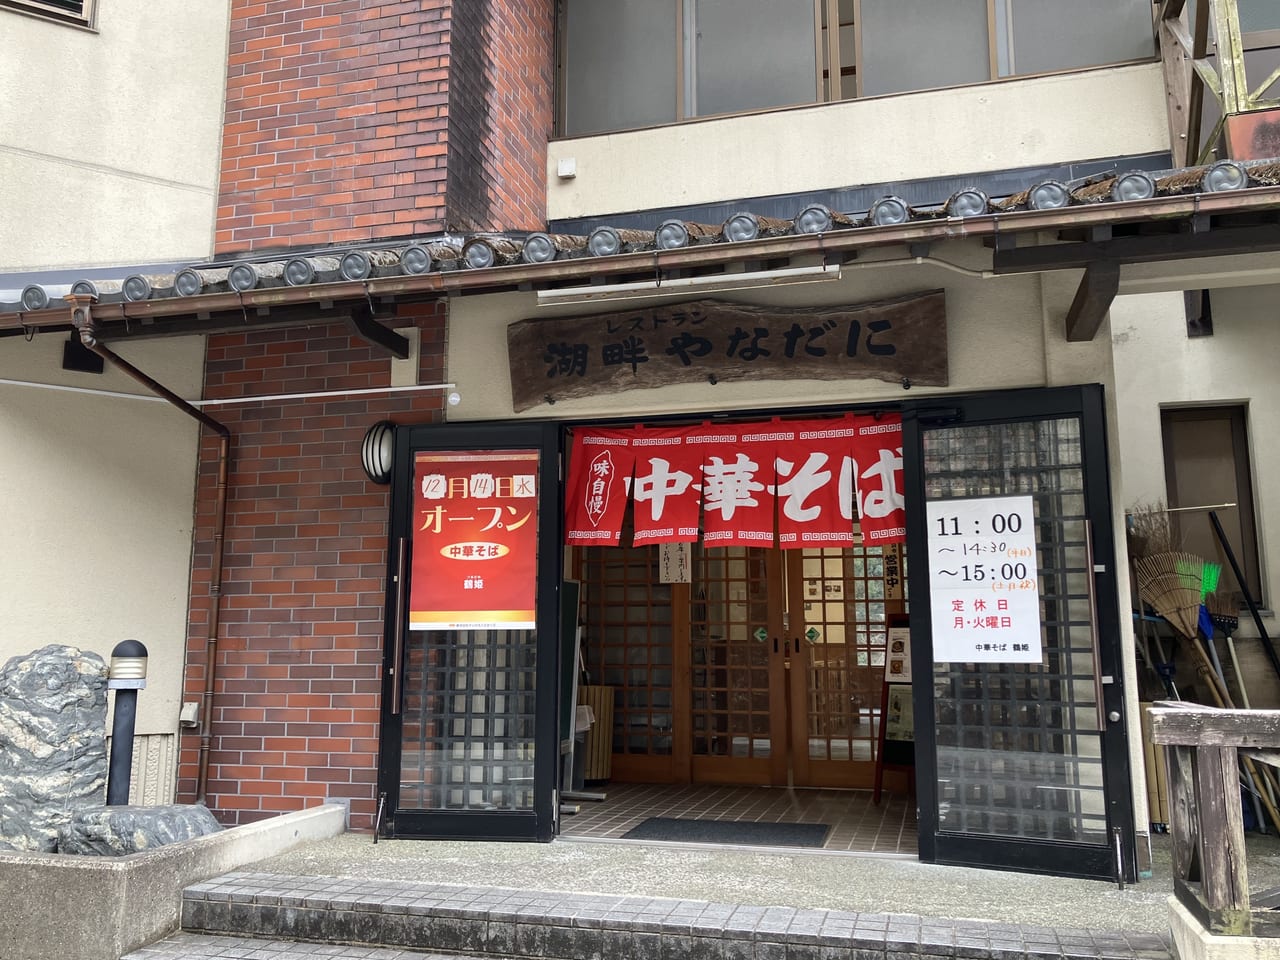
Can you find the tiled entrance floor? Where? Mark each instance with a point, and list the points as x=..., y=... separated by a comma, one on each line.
x=857, y=825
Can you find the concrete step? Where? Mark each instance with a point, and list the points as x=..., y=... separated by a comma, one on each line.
x=495, y=921
x=196, y=946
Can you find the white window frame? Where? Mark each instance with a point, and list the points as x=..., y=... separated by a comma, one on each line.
x=45, y=10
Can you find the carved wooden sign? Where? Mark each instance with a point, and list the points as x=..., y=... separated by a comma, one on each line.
x=566, y=357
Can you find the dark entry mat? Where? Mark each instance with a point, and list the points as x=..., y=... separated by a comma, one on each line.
x=730, y=831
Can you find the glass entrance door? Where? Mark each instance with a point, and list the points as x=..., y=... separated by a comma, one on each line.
x=469, y=668
x=1030, y=766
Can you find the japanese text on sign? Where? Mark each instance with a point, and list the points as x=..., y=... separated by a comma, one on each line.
x=983, y=580
x=566, y=357
x=474, y=540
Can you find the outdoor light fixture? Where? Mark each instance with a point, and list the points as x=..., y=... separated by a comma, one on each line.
x=1048, y=195
x=538, y=248
x=126, y=676
x=1224, y=175
x=377, y=451
x=1136, y=185
x=684, y=286
x=889, y=212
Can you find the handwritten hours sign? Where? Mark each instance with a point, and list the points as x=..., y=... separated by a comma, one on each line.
x=567, y=357
x=983, y=580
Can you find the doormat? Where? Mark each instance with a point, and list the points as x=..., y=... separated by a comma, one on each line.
x=749, y=832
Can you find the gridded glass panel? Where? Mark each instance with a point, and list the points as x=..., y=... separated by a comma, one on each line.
x=845, y=629
x=730, y=647
x=750, y=54
x=1019, y=746
x=468, y=734
x=627, y=642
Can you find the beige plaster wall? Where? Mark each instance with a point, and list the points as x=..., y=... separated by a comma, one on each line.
x=1158, y=366
x=1113, y=111
x=96, y=517
x=110, y=138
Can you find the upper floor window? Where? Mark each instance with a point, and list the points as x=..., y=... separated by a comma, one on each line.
x=635, y=63
x=69, y=11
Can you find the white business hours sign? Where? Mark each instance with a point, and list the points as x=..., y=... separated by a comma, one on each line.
x=983, y=580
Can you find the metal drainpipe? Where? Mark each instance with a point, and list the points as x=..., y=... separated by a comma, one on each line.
x=82, y=319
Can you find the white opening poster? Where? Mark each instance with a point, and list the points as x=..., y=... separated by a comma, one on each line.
x=983, y=580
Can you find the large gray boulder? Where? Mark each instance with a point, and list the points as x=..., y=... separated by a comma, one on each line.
x=116, y=831
x=53, y=757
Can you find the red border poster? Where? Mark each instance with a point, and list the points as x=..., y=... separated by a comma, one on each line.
x=475, y=540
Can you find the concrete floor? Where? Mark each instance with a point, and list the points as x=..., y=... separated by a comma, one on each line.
x=754, y=876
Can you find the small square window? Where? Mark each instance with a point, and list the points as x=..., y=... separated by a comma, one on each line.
x=69, y=11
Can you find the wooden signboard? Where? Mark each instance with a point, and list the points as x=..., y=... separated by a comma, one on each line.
x=710, y=340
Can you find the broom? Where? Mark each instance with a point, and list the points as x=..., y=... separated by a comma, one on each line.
x=1170, y=584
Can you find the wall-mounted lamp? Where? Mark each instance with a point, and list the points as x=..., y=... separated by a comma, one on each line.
x=377, y=451
x=684, y=286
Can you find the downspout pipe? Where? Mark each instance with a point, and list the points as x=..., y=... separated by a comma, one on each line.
x=82, y=320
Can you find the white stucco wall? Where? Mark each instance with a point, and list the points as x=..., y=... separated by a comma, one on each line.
x=96, y=517
x=110, y=138
x=1158, y=365
x=1095, y=114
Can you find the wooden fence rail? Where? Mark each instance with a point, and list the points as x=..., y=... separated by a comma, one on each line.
x=1204, y=747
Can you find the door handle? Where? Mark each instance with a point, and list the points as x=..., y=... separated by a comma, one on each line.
x=775, y=644
x=397, y=645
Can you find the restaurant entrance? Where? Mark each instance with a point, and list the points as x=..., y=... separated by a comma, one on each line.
x=766, y=667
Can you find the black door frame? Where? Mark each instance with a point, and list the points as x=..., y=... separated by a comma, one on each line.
x=540, y=823
x=1062, y=859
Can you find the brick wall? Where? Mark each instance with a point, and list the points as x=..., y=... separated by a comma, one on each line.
x=335, y=127
x=338, y=121
x=500, y=114
x=296, y=706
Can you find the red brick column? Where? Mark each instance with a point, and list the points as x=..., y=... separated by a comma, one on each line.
x=299, y=674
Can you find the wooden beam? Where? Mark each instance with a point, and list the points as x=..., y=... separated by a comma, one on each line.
x=1222, y=242
x=1211, y=727
x=375, y=333
x=1098, y=288
x=1195, y=102
x=1169, y=9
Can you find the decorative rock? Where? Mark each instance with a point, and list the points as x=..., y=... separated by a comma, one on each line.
x=53, y=758
x=116, y=831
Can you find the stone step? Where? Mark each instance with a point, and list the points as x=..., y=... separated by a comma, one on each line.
x=495, y=921
x=196, y=946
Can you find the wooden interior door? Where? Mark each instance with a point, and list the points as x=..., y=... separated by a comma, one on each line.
x=765, y=669
x=839, y=601
x=738, y=690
